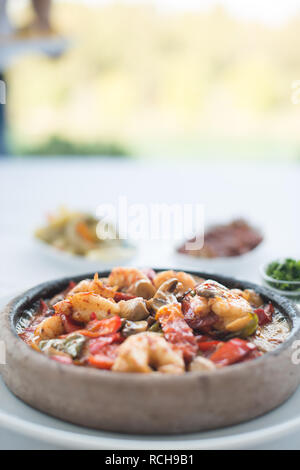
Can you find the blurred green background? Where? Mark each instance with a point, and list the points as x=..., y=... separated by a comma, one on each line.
x=153, y=83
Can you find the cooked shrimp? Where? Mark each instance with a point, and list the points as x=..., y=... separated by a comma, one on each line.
x=201, y=364
x=187, y=281
x=234, y=310
x=86, y=303
x=145, y=351
x=50, y=328
x=125, y=278
x=64, y=307
x=81, y=305
x=253, y=297
x=250, y=295
x=133, y=355
x=93, y=285
x=200, y=305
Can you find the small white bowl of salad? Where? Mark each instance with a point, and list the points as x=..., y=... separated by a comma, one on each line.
x=73, y=237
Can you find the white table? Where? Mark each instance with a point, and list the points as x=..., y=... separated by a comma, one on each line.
x=267, y=193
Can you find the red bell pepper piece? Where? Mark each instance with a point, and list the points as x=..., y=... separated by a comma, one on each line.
x=62, y=359
x=265, y=314
x=208, y=345
x=196, y=321
x=104, y=347
x=202, y=338
x=118, y=296
x=232, y=351
x=99, y=343
x=43, y=310
x=252, y=355
x=104, y=327
x=150, y=273
x=69, y=324
x=177, y=331
x=89, y=334
x=100, y=361
x=105, y=358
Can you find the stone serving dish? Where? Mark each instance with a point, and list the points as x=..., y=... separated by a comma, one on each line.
x=148, y=403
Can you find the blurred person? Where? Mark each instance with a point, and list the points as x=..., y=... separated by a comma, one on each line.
x=41, y=24
x=42, y=9
x=38, y=28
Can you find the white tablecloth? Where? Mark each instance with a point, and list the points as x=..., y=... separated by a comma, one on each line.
x=267, y=193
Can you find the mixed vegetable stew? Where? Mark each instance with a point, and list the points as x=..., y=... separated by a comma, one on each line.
x=142, y=321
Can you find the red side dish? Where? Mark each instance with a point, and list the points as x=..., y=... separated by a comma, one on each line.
x=233, y=239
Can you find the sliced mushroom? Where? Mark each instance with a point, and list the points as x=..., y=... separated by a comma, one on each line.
x=50, y=327
x=144, y=288
x=211, y=289
x=134, y=327
x=133, y=309
x=164, y=295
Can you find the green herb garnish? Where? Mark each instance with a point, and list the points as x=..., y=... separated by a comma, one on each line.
x=286, y=270
x=71, y=345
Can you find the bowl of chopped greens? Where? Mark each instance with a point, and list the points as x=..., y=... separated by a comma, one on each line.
x=283, y=276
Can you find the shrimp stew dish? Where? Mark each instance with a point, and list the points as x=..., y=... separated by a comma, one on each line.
x=142, y=321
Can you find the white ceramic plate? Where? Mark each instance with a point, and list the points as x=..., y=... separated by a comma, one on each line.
x=22, y=419
x=235, y=266
x=107, y=261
